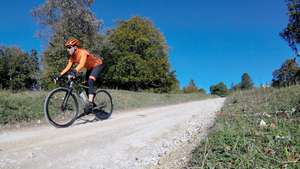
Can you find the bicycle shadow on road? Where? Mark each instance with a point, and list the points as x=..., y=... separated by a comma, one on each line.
x=84, y=118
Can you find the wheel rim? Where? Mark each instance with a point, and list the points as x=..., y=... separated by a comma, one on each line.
x=103, y=104
x=58, y=114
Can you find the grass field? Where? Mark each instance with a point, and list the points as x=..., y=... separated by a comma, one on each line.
x=255, y=129
x=28, y=106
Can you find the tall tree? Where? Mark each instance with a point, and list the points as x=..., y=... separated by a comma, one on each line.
x=191, y=87
x=3, y=68
x=35, y=69
x=286, y=75
x=139, y=57
x=64, y=19
x=246, y=82
x=292, y=31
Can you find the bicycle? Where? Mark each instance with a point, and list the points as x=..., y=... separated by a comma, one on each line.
x=61, y=105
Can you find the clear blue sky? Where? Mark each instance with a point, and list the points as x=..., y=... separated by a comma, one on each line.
x=210, y=41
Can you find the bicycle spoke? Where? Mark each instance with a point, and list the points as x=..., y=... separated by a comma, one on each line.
x=58, y=114
x=103, y=104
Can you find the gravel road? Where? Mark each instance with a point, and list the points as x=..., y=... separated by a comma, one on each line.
x=128, y=140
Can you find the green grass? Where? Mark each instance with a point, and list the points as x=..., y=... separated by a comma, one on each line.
x=239, y=141
x=20, y=107
x=28, y=106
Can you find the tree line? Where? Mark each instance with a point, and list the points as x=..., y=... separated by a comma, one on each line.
x=18, y=70
x=135, y=52
x=220, y=88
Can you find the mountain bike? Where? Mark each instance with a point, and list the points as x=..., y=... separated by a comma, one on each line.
x=61, y=105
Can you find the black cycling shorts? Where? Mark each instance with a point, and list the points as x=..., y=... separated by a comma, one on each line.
x=95, y=72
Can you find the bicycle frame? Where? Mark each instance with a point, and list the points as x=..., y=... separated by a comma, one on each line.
x=82, y=100
x=66, y=98
x=70, y=88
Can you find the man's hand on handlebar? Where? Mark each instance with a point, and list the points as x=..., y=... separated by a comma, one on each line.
x=72, y=75
x=56, y=79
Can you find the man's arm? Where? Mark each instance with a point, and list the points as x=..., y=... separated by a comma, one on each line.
x=67, y=68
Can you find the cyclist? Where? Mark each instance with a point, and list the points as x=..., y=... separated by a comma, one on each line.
x=83, y=59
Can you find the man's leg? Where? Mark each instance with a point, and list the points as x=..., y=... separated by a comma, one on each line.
x=87, y=75
x=91, y=81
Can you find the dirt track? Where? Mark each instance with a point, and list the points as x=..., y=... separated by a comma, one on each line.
x=128, y=140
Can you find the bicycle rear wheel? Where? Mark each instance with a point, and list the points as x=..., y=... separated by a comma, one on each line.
x=103, y=107
x=56, y=112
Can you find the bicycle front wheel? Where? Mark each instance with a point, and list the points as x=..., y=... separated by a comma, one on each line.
x=103, y=107
x=60, y=109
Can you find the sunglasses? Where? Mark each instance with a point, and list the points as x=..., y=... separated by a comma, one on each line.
x=69, y=47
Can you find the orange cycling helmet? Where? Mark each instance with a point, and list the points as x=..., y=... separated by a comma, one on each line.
x=72, y=42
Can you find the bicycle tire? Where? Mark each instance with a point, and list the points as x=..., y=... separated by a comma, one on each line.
x=103, y=103
x=52, y=97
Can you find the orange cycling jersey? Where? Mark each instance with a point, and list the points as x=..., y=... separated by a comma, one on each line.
x=84, y=60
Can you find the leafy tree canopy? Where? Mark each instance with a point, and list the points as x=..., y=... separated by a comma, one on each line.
x=246, y=82
x=292, y=31
x=287, y=74
x=139, y=57
x=219, y=89
x=18, y=70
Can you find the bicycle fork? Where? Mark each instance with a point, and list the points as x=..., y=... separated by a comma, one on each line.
x=66, y=98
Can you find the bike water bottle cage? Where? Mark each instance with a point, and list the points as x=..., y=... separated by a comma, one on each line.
x=83, y=96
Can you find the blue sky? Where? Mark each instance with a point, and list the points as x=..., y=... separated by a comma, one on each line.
x=209, y=41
